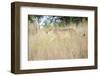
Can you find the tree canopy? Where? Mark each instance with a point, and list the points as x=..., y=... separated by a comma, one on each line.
x=48, y=21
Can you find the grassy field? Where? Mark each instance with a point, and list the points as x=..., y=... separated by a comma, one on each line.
x=60, y=43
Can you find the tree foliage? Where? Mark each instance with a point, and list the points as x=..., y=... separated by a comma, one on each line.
x=56, y=21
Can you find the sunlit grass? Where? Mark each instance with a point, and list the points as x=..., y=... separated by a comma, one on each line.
x=58, y=44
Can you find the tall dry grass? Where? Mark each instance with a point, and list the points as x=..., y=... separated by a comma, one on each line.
x=63, y=43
